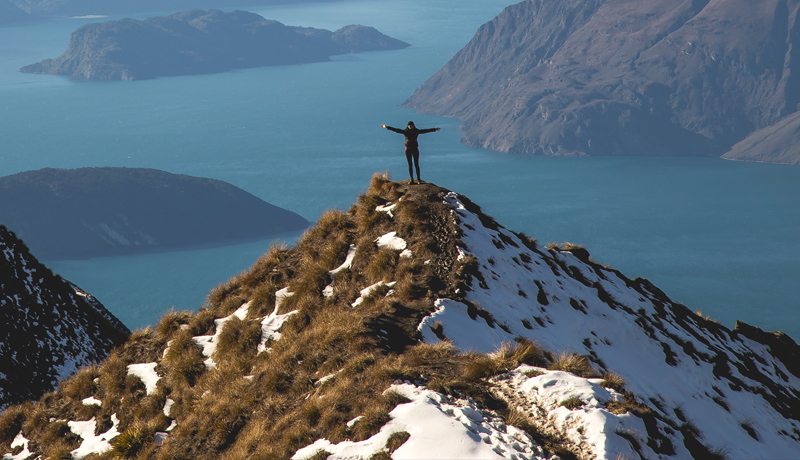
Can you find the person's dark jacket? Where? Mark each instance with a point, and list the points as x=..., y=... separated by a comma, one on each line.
x=411, y=135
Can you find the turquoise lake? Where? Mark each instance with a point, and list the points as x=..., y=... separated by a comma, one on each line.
x=718, y=236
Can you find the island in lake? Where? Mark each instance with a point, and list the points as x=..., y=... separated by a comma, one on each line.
x=91, y=212
x=201, y=42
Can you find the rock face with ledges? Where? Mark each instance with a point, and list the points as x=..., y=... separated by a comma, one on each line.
x=611, y=77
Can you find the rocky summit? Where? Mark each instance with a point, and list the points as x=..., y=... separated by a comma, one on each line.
x=613, y=77
x=49, y=328
x=415, y=326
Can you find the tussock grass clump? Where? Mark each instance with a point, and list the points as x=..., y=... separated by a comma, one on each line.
x=574, y=364
x=183, y=361
x=554, y=443
x=521, y=351
x=533, y=373
x=80, y=385
x=132, y=441
x=381, y=184
x=629, y=404
x=383, y=264
x=613, y=381
x=237, y=344
x=57, y=440
x=572, y=403
x=171, y=322
x=112, y=378
x=396, y=440
x=262, y=301
x=11, y=422
x=507, y=357
x=203, y=322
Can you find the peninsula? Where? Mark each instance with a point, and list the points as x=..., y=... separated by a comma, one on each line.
x=92, y=212
x=611, y=77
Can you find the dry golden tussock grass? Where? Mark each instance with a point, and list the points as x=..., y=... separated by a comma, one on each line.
x=283, y=405
x=574, y=364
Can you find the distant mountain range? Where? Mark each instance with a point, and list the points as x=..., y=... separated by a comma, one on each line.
x=416, y=326
x=199, y=42
x=49, y=328
x=90, y=212
x=12, y=14
x=612, y=77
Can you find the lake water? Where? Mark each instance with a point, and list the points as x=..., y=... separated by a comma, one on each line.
x=718, y=236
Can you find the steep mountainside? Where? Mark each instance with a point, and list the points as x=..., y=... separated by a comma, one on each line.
x=613, y=77
x=415, y=326
x=90, y=212
x=201, y=41
x=49, y=328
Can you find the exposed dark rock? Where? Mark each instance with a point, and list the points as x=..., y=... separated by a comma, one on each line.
x=89, y=212
x=608, y=77
x=48, y=327
x=780, y=345
x=200, y=42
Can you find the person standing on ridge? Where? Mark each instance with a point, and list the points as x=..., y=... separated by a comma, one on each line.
x=412, y=147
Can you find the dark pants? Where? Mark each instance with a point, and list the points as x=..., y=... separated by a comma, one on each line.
x=413, y=152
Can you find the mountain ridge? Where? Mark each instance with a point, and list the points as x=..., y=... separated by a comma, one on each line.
x=50, y=327
x=415, y=326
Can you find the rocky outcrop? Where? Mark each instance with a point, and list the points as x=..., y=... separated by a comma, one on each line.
x=90, y=212
x=609, y=77
x=199, y=42
x=49, y=328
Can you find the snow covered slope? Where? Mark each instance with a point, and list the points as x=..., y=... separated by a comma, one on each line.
x=48, y=327
x=415, y=326
x=736, y=394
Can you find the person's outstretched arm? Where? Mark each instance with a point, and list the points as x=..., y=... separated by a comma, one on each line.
x=429, y=130
x=393, y=129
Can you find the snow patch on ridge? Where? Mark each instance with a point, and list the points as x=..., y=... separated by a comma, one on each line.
x=348, y=261
x=391, y=241
x=439, y=427
x=147, y=373
x=92, y=444
x=367, y=292
x=665, y=355
x=19, y=441
x=591, y=427
x=209, y=342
